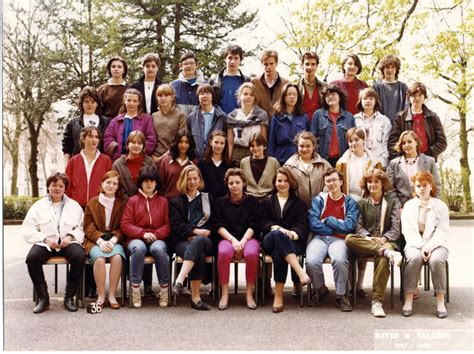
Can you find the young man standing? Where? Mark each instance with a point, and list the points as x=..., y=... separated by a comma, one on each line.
x=270, y=83
x=392, y=93
x=228, y=80
x=310, y=86
x=187, y=83
x=332, y=216
x=205, y=118
x=149, y=82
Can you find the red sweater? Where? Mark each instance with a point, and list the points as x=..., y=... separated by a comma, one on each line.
x=78, y=188
x=169, y=171
x=143, y=214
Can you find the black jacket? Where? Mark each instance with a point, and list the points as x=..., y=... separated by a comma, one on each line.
x=294, y=218
x=72, y=132
x=437, y=141
x=140, y=86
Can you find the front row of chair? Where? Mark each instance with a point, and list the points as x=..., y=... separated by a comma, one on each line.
x=265, y=261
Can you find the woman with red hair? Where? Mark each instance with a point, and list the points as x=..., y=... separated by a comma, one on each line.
x=425, y=225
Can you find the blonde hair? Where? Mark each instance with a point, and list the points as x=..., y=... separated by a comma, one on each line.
x=181, y=185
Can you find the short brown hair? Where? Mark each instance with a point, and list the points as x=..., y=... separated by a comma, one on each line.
x=331, y=88
x=89, y=91
x=124, y=63
x=205, y=87
x=268, y=54
x=235, y=172
x=415, y=88
x=56, y=177
x=398, y=144
x=310, y=55
x=369, y=92
x=181, y=184
x=234, y=49
x=308, y=136
x=356, y=59
x=151, y=57
x=86, y=132
x=376, y=173
x=188, y=55
x=356, y=131
x=387, y=60
x=331, y=171
x=426, y=177
x=110, y=174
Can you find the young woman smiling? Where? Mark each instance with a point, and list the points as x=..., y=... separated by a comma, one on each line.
x=131, y=118
x=103, y=234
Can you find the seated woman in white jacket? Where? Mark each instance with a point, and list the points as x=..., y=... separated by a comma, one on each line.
x=54, y=226
x=425, y=225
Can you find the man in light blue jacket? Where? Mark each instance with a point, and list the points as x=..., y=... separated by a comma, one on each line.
x=332, y=216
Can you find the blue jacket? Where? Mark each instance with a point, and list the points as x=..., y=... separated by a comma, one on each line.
x=282, y=134
x=331, y=225
x=321, y=127
x=196, y=127
x=186, y=96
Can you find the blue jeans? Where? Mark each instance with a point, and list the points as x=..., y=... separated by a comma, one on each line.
x=317, y=250
x=138, y=250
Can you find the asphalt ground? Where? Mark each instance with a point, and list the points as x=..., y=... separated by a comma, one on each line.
x=181, y=328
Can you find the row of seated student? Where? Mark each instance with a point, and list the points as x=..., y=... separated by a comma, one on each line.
x=195, y=225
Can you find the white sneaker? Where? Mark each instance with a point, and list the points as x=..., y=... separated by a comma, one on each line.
x=395, y=257
x=377, y=309
x=136, y=297
x=164, y=299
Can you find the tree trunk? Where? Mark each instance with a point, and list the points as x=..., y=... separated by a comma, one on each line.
x=464, y=162
x=178, y=15
x=33, y=162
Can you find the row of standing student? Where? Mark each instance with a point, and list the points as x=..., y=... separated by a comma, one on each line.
x=287, y=104
x=193, y=225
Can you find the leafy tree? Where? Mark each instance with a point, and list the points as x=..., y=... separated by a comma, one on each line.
x=332, y=28
x=170, y=27
x=455, y=68
x=37, y=81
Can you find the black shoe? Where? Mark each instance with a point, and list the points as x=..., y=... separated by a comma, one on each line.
x=201, y=305
x=361, y=294
x=178, y=289
x=342, y=303
x=441, y=314
x=319, y=296
x=42, y=305
x=69, y=304
x=92, y=293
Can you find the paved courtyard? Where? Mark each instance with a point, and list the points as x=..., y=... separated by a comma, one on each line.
x=181, y=328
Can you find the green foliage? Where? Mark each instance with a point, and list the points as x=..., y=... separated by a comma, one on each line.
x=16, y=207
x=451, y=194
x=171, y=27
x=332, y=28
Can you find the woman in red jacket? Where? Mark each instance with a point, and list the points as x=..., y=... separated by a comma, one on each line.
x=145, y=225
x=86, y=169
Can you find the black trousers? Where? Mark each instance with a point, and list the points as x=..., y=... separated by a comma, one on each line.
x=39, y=255
x=278, y=246
x=195, y=250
